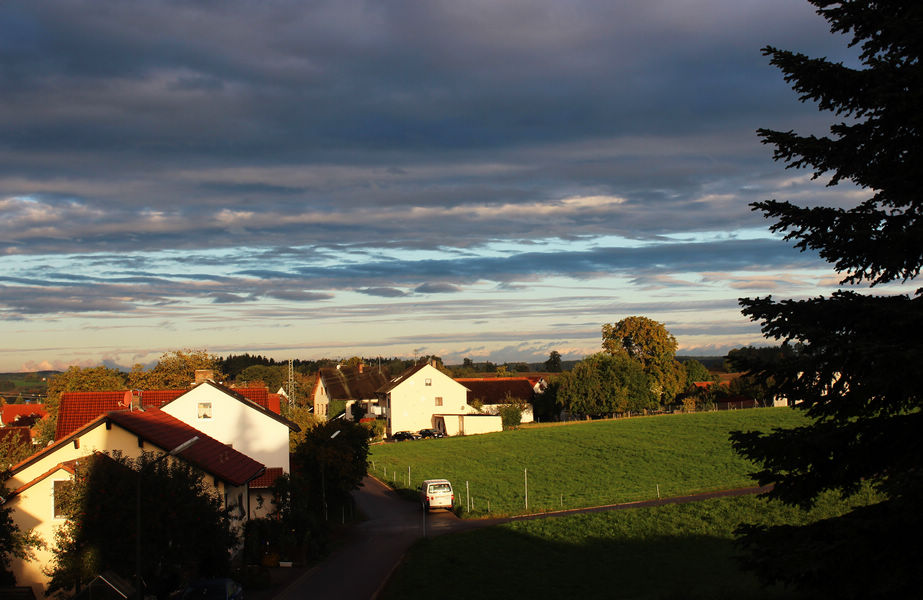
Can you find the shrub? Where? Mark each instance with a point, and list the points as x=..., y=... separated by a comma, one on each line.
x=511, y=415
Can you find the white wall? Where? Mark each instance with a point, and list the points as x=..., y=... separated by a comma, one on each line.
x=494, y=409
x=413, y=402
x=236, y=423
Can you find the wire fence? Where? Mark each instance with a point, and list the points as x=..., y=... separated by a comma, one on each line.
x=532, y=495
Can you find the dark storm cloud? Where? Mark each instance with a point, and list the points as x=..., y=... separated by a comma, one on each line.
x=167, y=152
x=437, y=288
x=155, y=86
x=383, y=292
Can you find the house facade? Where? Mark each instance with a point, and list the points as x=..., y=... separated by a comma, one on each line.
x=423, y=397
x=227, y=472
x=239, y=419
x=349, y=384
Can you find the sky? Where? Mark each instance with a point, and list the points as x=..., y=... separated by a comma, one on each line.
x=482, y=179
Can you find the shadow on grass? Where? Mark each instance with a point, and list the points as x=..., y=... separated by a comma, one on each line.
x=505, y=562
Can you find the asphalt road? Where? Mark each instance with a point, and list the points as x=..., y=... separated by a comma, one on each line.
x=362, y=564
x=373, y=548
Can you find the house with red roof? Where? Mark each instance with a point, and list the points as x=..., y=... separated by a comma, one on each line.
x=227, y=471
x=242, y=449
x=492, y=393
x=247, y=419
x=21, y=415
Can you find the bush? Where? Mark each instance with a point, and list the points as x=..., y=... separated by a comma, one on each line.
x=376, y=428
x=511, y=415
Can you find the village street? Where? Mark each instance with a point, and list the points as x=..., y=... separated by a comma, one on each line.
x=373, y=549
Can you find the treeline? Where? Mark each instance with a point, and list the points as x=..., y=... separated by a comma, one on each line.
x=638, y=371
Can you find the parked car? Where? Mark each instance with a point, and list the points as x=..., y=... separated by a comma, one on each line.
x=430, y=433
x=401, y=436
x=212, y=589
x=436, y=493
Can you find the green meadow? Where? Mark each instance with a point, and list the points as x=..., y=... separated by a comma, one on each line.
x=668, y=552
x=581, y=464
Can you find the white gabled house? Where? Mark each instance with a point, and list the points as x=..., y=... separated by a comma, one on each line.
x=34, y=481
x=423, y=397
x=242, y=448
x=236, y=420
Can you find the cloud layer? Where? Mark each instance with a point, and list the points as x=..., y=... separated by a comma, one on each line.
x=246, y=164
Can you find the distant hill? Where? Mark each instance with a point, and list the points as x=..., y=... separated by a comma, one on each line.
x=31, y=386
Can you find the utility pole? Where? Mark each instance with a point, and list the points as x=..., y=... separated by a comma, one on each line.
x=291, y=382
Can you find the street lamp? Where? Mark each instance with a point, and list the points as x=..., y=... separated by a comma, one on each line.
x=173, y=452
x=323, y=476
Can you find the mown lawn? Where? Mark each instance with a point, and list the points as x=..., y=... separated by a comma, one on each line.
x=582, y=464
x=674, y=551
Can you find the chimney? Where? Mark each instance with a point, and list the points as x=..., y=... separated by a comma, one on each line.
x=136, y=400
x=203, y=375
x=432, y=362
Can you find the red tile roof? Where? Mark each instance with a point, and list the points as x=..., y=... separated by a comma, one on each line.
x=76, y=409
x=493, y=390
x=11, y=412
x=266, y=480
x=167, y=432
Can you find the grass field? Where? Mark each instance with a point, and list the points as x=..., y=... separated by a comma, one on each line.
x=582, y=464
x=675, y=551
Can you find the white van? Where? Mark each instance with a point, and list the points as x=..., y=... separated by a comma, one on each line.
x=437, y=493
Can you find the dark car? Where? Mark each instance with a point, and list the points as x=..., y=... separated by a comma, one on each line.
x=401, y=436
x=212, y=589
x=431, y=433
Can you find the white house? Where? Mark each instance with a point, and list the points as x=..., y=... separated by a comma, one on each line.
x=236, y=420
x=424, y=397
x=34, y=481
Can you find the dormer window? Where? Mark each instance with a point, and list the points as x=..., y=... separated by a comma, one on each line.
x=205, y=410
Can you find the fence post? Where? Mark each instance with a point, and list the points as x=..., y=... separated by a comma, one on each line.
x=467, y=496
x=525, y=475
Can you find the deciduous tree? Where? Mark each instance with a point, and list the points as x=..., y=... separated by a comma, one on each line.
x=553, y=364
x=854, y=372
x=648, y=342
x=603, y=384
x=696, y=371
x=185, y=532
x=175, y=370
x=76, y=379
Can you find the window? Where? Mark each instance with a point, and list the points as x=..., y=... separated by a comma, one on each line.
x=438, y=400
x=61, y=488
x=205, y=410
x=428, y=381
